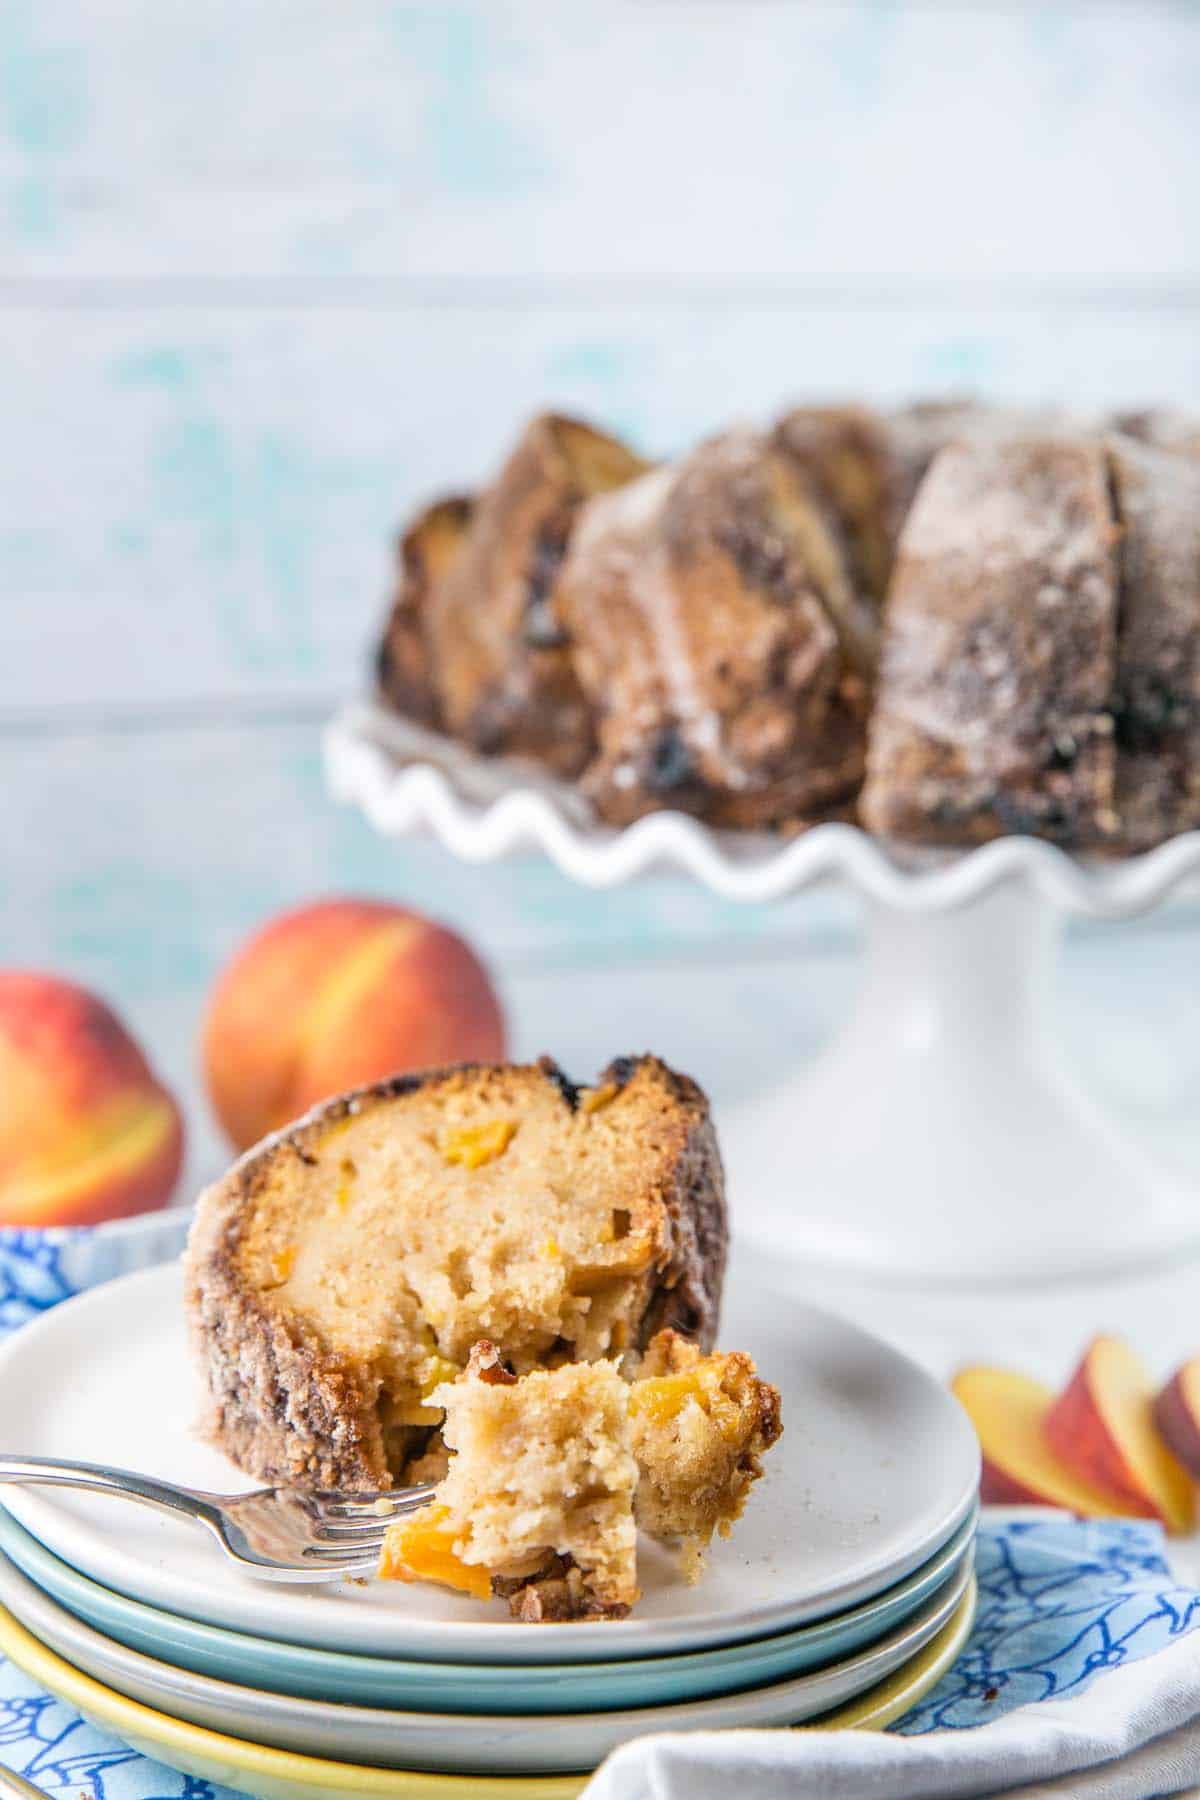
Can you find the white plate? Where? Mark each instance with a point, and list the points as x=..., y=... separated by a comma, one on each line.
x=877, y=1467
x=462, y=1743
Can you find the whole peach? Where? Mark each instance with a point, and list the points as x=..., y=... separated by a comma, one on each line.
x=87, y=1132
x=335, y=995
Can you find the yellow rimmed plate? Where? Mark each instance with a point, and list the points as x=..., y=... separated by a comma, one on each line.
x=280, y=1775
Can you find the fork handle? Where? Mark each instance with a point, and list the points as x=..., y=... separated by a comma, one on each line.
x=96, y=1478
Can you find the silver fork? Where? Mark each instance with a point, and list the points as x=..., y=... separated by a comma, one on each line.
x=278, y=1533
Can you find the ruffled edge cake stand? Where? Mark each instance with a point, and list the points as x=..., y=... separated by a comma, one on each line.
x=940, y=1135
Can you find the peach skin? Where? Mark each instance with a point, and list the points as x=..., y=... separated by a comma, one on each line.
x=87, y=1132
x=1177, y=1415
x=1102, y=1426
x=335, y=995
x=1008, y=1412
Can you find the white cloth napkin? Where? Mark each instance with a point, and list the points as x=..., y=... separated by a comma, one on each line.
x=1130, y=1736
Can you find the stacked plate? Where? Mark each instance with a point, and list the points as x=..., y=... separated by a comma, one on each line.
x=845, y=1592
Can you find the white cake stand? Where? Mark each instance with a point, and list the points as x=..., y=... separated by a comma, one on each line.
x=939, y=1136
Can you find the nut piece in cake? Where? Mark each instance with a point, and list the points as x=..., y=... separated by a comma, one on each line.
x=550, y=1474
x=496, y=648
x=701, y=1425
x=540, y=1485
x=717, y=633
x=343, y=1269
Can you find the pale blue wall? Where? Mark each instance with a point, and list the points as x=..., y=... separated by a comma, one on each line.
x=268, y=273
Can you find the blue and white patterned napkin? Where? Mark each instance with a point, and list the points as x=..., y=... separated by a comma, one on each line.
x=1084, y=1651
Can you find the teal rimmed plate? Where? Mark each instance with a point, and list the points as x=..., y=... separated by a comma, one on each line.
x=466, y=1743
x=306, y=1673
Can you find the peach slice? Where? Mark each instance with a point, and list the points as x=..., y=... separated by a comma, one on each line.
x=1102, y=1426
x=1177, y=1415
x=1009, y=1412
x=421, y=1548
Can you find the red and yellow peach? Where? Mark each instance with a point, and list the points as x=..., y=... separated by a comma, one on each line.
x=87, y=1131
x=336, y=995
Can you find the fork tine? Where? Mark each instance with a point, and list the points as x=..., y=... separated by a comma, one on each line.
x=349, y=1535
x=368, y=1506
x=341, y=1556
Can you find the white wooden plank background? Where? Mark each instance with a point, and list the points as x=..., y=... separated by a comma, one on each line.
x=627, y=140
x=269, y=274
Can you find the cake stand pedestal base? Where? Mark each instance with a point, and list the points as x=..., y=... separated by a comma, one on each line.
x=940, y=1136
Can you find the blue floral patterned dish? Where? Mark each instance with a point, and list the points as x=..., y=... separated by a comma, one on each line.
x=39, y=1266
x=472, y=1687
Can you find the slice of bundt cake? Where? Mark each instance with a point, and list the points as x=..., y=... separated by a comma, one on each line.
x=1041, y=660
x=497, y=653
x=426, y=552
x=550, y=1473
x=719, y=637
x=999, y=652
x=1156, y=704
x=341, y=1271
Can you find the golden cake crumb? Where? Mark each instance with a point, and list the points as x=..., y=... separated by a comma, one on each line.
x=549, y=1475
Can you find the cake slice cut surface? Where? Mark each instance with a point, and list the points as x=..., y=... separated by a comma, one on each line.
x=550, y=1474
x=538, y=1497
x=342, y=1271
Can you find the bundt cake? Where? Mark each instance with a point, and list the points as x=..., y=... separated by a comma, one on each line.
x=342, y=1270
x=719, y=637
x=1039, y=667
x=549, y=1475
x=992, y=612
x=478, y=622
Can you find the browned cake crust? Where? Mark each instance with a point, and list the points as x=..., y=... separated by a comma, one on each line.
x=498, y=654
x=1156, y=705
x=993, y=712
x=720, y=638
x=846, y=453
x=287, y=1404
x=425, y=553
x=868, y=465
x=1163, y=428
